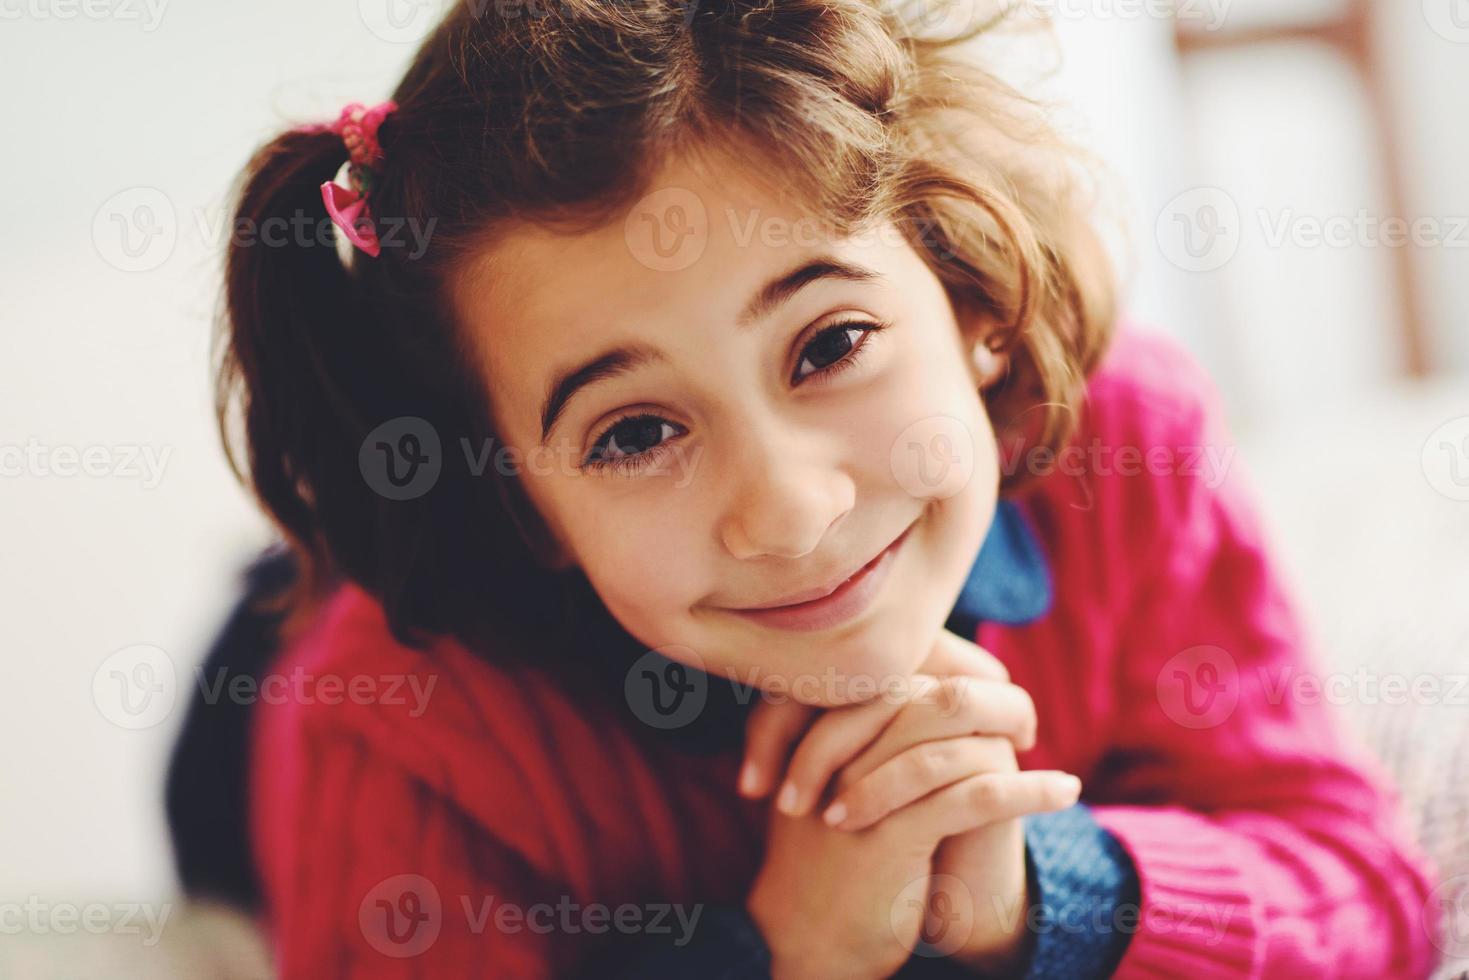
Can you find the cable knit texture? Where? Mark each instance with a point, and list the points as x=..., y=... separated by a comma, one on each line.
x=501, y=826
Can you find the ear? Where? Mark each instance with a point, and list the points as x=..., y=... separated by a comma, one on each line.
x=988, y=365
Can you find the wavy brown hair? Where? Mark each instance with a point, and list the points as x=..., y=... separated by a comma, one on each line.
x=559, y=112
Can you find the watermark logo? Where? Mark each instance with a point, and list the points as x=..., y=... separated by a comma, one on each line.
x=1449, y=19
x=117, y=462
x=37, y=917
x=401, y=459
x=668, y=229
x=401, y=916
x=1446, y=459
x=148, y=12
x=1445, y=917
x=1199, y=230
x=1199, y=687
x=947, y=910
x=934, y=458
x=135, y=687
x=400, y=21
x=667, y=687
x=135, y=230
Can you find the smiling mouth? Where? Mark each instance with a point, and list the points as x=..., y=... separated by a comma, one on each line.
x=833, y=604
x=815, y=595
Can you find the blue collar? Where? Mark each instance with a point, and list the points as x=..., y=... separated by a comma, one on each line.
x=1009, y=582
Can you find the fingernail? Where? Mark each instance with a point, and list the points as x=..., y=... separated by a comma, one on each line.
x=835, y=814
x=786, y=802
x=1071, y=785
x=749, y=777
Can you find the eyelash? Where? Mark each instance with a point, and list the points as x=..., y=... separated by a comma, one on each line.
x=635, y=464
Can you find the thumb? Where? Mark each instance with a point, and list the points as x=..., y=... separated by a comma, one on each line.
x=952, y=654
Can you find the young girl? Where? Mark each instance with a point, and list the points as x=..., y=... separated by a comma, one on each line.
x=734, y=536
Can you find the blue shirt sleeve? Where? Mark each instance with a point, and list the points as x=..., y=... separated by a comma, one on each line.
x=1080, y=878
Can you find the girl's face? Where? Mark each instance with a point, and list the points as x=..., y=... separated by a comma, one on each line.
x=716, y=404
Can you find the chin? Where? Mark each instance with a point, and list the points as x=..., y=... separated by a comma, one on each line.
x=870, y=663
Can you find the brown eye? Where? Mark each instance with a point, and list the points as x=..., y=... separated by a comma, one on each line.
x=833, y=348
x=633, y=438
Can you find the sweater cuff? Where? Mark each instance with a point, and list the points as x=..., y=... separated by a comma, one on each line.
x=725, y=944
x=1082, y=885
x=1197, y=912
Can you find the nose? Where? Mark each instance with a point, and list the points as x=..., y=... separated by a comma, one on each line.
x=786, y=490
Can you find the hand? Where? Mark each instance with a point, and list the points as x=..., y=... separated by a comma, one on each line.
x=943, y=737
x=854, y=903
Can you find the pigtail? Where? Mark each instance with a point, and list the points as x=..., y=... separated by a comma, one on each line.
x=328, y=366
x=288, y=297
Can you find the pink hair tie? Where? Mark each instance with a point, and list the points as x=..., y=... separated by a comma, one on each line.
x=357, y=126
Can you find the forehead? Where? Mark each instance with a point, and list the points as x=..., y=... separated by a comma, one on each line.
x=682, y=260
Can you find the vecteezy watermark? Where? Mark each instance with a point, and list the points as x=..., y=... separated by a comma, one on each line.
x=669, y=229
x=36, y=917
x=1199, y=230
x=1201, y=687
x=1205, y=923
x=301, y=686
x=946, y=19
x=1208, y=463
x=1449, y=19
x=1445, y=918
x=147, y=12
x=1206, y=15
x=1446, y=459
x=668, y=687
x=934, y=458
x=400, y=21
x=402, y=916
x=137, y=687
x=408, y=21
x=136, y=229
x=563, y=458
x=944, y=909
x=1364, y=687
x=97, y=461
x=403, y=459
x=309, y=230
x=1202, y=229
x=1362, y=228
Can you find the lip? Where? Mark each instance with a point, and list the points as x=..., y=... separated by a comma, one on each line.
x=837, y=605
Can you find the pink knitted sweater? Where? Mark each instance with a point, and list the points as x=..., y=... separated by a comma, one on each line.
x=1166, y=674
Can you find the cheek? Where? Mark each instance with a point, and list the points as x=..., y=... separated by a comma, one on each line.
x=928, y=430
x=643, y=574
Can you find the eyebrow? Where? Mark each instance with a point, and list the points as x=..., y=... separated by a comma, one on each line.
x=622, y=360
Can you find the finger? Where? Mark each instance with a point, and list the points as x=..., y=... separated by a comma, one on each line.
x=835, y=739
x=985, y=799
x=962, y=704
x=953, y=654
x=771, y=731
x=914, y=774
x=956, y=706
